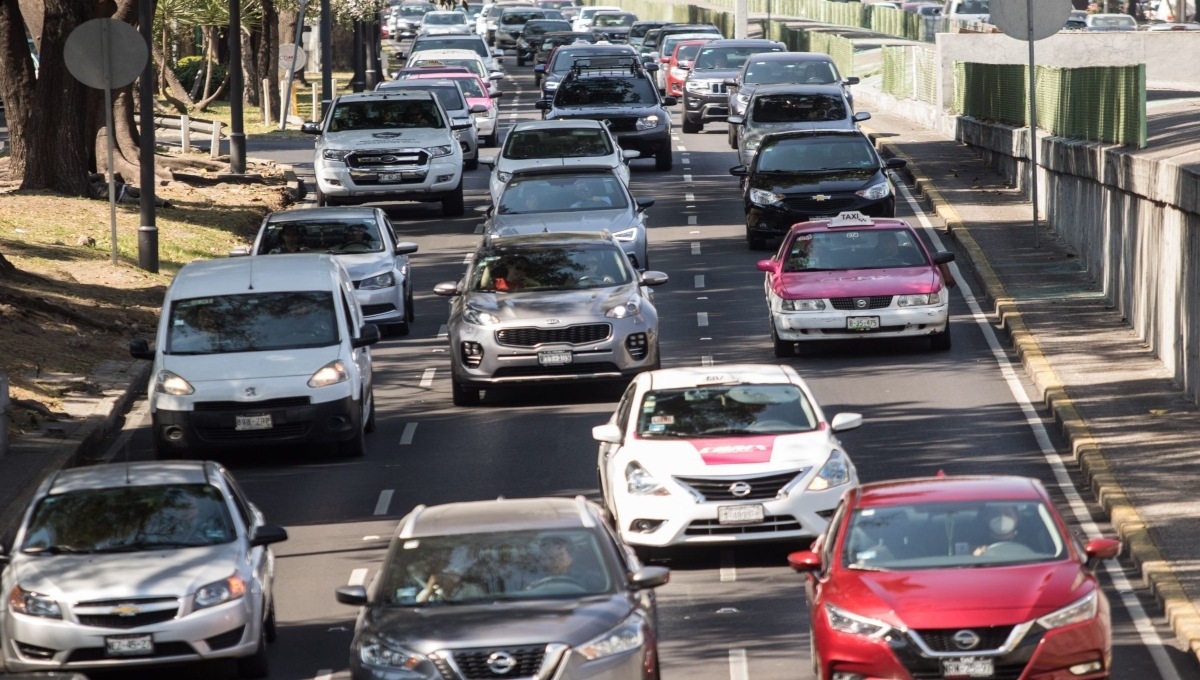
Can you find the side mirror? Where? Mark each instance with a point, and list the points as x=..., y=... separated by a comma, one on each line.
x=846, y=421
x=140, y=349
x=895, y=163
x=311, y=128
x=406, y=248
x=669, y=101
x=943, y=257
x=630, y=154
x=739, y=171
x=735, y=120
x=268, y=534
x=731, y=82
x=852, y=80
x=461, y=126
x=355, y=596
x=400, y=55
x=480, y=108
x=240, y=251
x=649, y=577
x=651, y=67
x=489, y=161
x=803, y=561
x=665, y=60
x=769, y=266
x=495, y=94
x=541, y=105
x=540, y=68
x=644, y=204
x=653, y=278
x=1101, y=549
x=496, y=75
x=367, y=335
x=607, y=433
x=446, y=289
x=861, y=116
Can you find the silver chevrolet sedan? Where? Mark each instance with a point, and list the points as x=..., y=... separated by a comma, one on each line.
x=549, y=306
x=139, y=564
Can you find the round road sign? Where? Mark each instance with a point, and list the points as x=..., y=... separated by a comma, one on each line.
x=1012, y=17
x=95, y=42
x=292, y=53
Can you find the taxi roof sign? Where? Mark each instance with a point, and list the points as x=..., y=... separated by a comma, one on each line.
x=851, y=218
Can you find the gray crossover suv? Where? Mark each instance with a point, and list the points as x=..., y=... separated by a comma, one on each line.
x=522, y=589
x=549, y=306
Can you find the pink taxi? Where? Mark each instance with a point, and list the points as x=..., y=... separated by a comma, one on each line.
x=476, y=92
x=854, y=276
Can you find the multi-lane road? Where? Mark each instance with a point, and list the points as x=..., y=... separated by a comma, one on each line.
x=733, y=613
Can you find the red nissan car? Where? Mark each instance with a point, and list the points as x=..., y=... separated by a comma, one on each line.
x=967, y=577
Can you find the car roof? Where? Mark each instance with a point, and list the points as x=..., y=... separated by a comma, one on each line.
x=695, y=376
x=143, y=473
x=473, y=37
x=412, y=84
x=744, y=42
x=274, y=274
x=376, y=95
x=949, y=490
x=449, y=54
x=563, y=124
x=795, y=134
x=443, y=11
x=564, y=170
x=793, y=56
x=799, y=88
x=308, y=214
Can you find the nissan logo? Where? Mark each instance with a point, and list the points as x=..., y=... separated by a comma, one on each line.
x=501, y=662
x=966, y=639
x=740, y=489
x=861, y=303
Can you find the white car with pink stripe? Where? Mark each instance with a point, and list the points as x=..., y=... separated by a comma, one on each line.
x=720, y=454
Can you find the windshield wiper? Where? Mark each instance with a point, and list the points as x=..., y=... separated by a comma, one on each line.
x=56, y=550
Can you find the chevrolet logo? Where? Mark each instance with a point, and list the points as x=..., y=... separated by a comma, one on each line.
x=821, y=197
x=126, y=610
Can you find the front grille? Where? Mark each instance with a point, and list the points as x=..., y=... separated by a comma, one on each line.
x=372, y=310
x=718, y=88
x=762, y=487
x=622, y=124
x=571, y=335
x=161, y=650
x=770, y=524
x=287, y=402
x=134, y=621
x=282, y=431
x=372, y=179
x=942, y=639
x=474, y=663
x=568, y=369
x=847, y=304
x=377, y=159
x=810, y=206
x=225, y=640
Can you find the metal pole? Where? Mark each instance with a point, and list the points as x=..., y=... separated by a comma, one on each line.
x=359, y=51
x=326, y=56
x=372, y=57
x=291, y=71
x=148, y=231
x=3, y=413
x=741, y=19
x=768, y=24
x=106, y=55
x=1033, y=143
x=237, y=134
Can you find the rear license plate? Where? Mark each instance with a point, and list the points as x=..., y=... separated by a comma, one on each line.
x=740, y=514
x=555, y=358
x=968, y=667
x=253, y=422
x=129, y=645
x=862, y=323
x=391, y=177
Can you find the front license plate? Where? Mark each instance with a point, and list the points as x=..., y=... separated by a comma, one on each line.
x=253, y=422
x=555, y=358
x=968, y=667
x=129, y=645
x=391, y=177
x=740, y=514
x=862, y=323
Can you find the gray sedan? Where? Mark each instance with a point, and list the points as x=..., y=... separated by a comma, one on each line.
x=784, y=108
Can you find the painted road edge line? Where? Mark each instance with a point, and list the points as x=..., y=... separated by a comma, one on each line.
x=406, y=437
x=739, y=669
x=427, y=377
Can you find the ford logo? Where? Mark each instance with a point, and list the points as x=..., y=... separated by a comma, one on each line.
x=740, y=489
x=966, y=639
x=501, y=662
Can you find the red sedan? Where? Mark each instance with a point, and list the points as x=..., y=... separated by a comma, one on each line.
x=968, y=577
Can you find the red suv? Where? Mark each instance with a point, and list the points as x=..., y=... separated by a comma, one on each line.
x=679, y=64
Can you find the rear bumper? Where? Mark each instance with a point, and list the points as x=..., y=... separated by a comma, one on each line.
x=705, y=109
x=770, y=221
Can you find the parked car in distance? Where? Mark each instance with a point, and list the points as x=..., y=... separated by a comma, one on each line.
x=1110, y=23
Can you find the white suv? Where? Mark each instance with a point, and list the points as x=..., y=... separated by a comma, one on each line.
x=389, y=146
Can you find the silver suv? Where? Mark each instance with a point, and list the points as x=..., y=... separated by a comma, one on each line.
x=785, y=108
x=549, y=306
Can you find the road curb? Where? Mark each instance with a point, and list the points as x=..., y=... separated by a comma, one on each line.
x=1088, y=454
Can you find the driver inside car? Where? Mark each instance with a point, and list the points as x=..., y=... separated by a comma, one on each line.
x=560, y=565
x=1001, y=522
x=356, y=235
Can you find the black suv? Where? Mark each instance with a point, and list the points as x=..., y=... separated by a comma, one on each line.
x=705, y=97
x=616, y=89
x=797, y=176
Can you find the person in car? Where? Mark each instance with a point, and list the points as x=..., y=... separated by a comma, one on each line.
x=516, y=276
x=292, y=240
x=561, y=565
x=1001, y=522
x=591, y=270
x=355, y=238
x=586, y=196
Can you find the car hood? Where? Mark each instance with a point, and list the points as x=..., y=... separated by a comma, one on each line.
x=167, y=573
x=602, y=112
x=562, y=304
x=715, y=73
x=731, y=455
x=221, y=368
x=385, y=139
x=811, y=182
x=533, y=223
x=857, y=282
x=953, y=598
x=365, y=265
x=509, y=165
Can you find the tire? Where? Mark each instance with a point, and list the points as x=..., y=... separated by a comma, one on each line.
x=537, y=80
x=270, y=630
x=690, y=128
x=732, y=137
x=464, y=395
x=322, y=199
x=410, y=312
x=369, y=426
x=755, y=242
x=664, y=160
x=255, y=665
x=471, y=164
x=453, y=205
x=356, y=447
x=940, y=342
x=783, y=348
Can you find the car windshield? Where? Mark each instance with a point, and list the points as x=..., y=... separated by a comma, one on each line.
x=474, y=44
x=496, y=11
x=851, y=249
x=129, y=519
x=816, y=154
x=728, y=57
x=771, y=72
x=449, y=95
x=511, y=18
x=640, y=31
x=511, y=565
x=535, y=29
x=444, y=18
x=350, y=235
x=721, y=411
x=605, y=92
x=670, y=43
x=523, y=145
x=686, y=52
x=252, y=322
x=603, y=20
x=1114, y=21
x=525, y=195
x=474, y=65
x=972, y=7
x=414, y=10
x=385, y=114
x=650, y=40
x=471, y=87
x=798, y=108
x=952, y=535
x=551, y=268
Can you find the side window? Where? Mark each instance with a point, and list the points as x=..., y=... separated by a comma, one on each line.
x=387, y=224
x=832, y=534
x=626, y=406
x=243, y=506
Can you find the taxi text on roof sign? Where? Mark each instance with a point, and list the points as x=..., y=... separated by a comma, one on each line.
x=851, y=218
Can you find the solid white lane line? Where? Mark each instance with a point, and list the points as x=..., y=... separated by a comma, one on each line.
x=427, y=377
x=701, y=318
x=1137, y=614
x=357, y=577
x=739, y=669
x=406, y=437
x=691, y=219
x=728, y=569
x=706, y=360
x=324, y=674
x=687, y=178
x=467, y=258
x=693, y=232
x=385, y=499
x=699, y=280
x=695, y=247
x=689, y=196
x=442, y=331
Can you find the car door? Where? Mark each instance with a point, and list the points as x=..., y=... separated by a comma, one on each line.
x=608, y=452
x=400, y=263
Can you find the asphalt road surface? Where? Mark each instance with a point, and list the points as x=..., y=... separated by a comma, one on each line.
x=728, y=614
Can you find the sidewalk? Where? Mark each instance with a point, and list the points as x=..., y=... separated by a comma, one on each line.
x=1130, y=427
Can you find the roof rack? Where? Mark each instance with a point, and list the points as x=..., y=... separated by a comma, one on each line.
x=606, y=65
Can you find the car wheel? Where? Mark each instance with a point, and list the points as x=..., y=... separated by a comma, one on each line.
x=690, y=128
x=356, y=447
x=471, y=164
x=270, y=630
x=255, y=665
x=755, y=242
x=664, y=160
x=322, y=199
x=783, y=348
x=940, y=342
x=464, y=395
x=537, y=79
x=370, y=424
x=453, y=205
x=410, y=312
x=732, y=137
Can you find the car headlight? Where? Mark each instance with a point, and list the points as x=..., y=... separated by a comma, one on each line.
x=696, y=86
x=338, y=155
x=218, y=592
x=626, y=235
x=875, y=191
x=331, y=373
x=765, y=197
x=647, y=122
x=30, y=603
x=1081, y=610
x=474, y=316
x=624, y=309
x=920, y=300
x=802, y=305
x=629, y=634
x=551, y=86
x=375, y=652
x=743, y=99
x=847, y=622
x=751, y=144
x=385, y=280
x=169, y=383
x=678, y=73
x=439, y=151
x=503, y=177
x=642, y=483
x=836, y=472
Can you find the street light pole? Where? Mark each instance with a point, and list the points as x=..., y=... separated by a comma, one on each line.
x=237, y=133
x=360, y=75
x=1033, y=136
x=147, y=232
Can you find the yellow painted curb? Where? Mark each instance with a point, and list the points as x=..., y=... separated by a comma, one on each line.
x=1181, y=613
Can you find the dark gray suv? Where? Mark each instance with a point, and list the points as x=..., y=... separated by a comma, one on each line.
x=512, y=589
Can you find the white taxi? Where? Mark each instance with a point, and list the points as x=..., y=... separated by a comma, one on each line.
x=720, y=454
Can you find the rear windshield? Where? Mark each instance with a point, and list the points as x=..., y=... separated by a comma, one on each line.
x=729, y=57
x=449, y=95
x=722, y=411
x=603, y=20
x=807, y=154
x=605, y=92
x=769, y=72
x=511, y=18
x=474, y=44
x=798, y=108
x=524, y=145
x=471, y=87
x=414, y=10
x=352, y=235
x=562, y=194
x=252, y=322
x=385, y=115
x=446, y=19
x=641, y=31
x=474, y=65
x=867, y=249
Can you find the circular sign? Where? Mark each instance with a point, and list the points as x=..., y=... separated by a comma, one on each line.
x=94, y=43
x=292, y=56
x=1012, y=17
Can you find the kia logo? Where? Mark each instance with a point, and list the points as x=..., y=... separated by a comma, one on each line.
x=966, y=639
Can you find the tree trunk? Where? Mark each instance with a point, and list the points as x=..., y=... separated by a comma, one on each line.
x=251, y=88
x=174, y=91
x=210, y=61
x=17, y=83
x=202, y=105
x=268, y=56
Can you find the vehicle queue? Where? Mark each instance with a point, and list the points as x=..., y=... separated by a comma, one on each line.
x=273, y=349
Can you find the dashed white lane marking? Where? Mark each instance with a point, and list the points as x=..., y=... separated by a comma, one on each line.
x=467, y=259
x=385, y=500
x=701, y=318
x=693, y=232
x=702, y=297
x=706, y=360
x=324, y=674
x=443, y=331
x=695, y=247
x=728, y=569
x=357, y=577
x=686, y=161
x=689, y=196
x=406, y=437
x=479, y=228
x=427, y=377
x=687, y=178
x=682, y=147
x=706, y=338
x=372, y=537
x=739, y=669
x=699, y=280
x=691, y=219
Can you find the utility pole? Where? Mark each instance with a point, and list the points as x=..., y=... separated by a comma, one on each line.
x=147, y=232
x=360, y=53
x=326, y=57
x=373, y=66
x=237, y=133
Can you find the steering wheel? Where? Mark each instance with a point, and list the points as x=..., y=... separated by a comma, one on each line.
x=557, y=578
x=357, y=247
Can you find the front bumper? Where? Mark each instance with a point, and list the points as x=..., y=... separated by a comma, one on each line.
x=894, y=322
x=777, y=221
x=628, y=665
x=506, y=40
x=383, y=305
x=648, y=142
x=214, y=427
x=431, y=182
x=706, y=108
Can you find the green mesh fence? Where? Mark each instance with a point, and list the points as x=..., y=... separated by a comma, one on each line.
x=895, y=22
x=910, y=73
x=840, y=49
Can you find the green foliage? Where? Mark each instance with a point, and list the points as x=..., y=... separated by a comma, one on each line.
x=189, y=68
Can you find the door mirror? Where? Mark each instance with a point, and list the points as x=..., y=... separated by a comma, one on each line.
x=311, y=128
x=496, y=75
x=268, y=534
x=140, y=349
x=355, y=596
x=895, y=163
x=670, y=101
x=804, y=561
x=541, y=105
x=852, y=80
x=630, y=154
x=607, y=433
x=1102, y=549
x=406, y=248
x=653, y=278
x=652, y=67
x=498, y=53
x=485, y=210
x=731, y=82
x=540, y=68
x=446, y=289
x=240, y=251
x=649, y=577
x=739, y=171
x=768, y=266
x=367, y=335
x=735, y=120
x=489, y=161
x=861, y=116
x=846, y=421
x=644, y=204
x=478, y=108
x=943, y=257
x=495, y=94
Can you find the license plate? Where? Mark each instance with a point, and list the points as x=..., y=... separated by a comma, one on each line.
x=968, y=667
x=391, y=177
x=555, y=358
x=862, y=323
x=253, y=422
x=740, y=514
x=129, y=645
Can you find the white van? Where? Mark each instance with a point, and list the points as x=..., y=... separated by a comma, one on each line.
x=260, y=351
x=967, y=10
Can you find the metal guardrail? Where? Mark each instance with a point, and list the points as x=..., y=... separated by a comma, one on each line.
x=203, y=127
